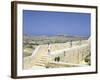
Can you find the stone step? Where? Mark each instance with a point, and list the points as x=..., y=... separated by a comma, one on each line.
x=40, y=64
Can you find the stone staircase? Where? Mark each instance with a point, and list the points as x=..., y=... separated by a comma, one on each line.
x=43, y=61
x=41, y=58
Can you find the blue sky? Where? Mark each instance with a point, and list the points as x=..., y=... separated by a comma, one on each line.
x=54, y=23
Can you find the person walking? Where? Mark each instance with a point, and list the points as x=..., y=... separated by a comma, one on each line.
x=49, y=49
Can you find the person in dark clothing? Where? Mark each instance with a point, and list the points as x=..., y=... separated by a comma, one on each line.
x=58, y=58
x=55, y=58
